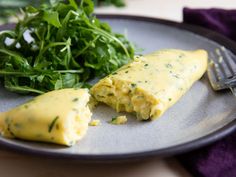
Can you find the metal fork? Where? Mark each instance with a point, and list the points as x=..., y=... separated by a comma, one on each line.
x=222, y=70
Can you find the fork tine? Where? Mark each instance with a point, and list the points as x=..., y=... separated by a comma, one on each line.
x=222, y=70
x=217, y=68
x=233, y=90
x=213, y=75
x=227, y=59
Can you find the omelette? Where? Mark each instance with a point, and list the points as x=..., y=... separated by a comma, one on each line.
x=60, y=116
x=150, y=84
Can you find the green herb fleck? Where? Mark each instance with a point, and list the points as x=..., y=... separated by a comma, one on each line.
x=118, y=120
x=126, y=71
x=133, y=85
x=146, y=65
x=9, y=130
x=113, y=119
x=170, y=99
x=75, y=99
x=176, y=76
x=50, y=127
x=168, y=65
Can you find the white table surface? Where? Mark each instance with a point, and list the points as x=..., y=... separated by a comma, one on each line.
x=13, y=164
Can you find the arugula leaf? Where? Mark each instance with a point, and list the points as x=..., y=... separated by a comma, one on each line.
x=117, y=3
x=88, y=6
x=68, y=47
x=52, y=18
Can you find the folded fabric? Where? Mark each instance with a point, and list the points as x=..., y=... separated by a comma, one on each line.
x=218, y=159
x=220, y=20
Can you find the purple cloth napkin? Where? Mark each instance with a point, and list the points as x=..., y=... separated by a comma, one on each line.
x=220, y=20
x=218, y=159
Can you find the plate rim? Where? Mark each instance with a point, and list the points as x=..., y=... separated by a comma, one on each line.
x=164, y=152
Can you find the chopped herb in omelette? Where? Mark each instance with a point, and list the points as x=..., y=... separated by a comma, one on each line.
x=118, y=120
x=50, y=127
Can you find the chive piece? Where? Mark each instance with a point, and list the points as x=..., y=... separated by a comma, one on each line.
x=113, y=119
x=176, y=76
x=50, y=127
x=9, y=129
x=118, y=120
x=126, y=71
x=168, y=65
x=169, y=99
x=146, y=65
x=133, y=85
x=75, y=99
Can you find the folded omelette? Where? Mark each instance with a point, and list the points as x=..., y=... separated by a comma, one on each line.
x=150, y=84
x=60, y=116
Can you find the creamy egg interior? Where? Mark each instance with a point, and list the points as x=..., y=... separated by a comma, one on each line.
x=149, y=85
x=60, y=116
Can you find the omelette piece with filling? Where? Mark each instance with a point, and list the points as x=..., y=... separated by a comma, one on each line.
x=60, y=116
x=150, y=84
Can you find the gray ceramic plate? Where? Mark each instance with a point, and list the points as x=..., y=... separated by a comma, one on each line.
x=200, y=117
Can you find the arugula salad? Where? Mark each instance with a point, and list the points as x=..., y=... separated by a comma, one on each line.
x=59, y=45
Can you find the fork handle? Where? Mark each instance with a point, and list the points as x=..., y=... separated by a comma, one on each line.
x=233, y=90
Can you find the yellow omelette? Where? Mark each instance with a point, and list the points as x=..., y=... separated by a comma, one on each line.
x=60, y=116
x=150, y=84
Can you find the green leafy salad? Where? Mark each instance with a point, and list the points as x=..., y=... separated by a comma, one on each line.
x=60, y=45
